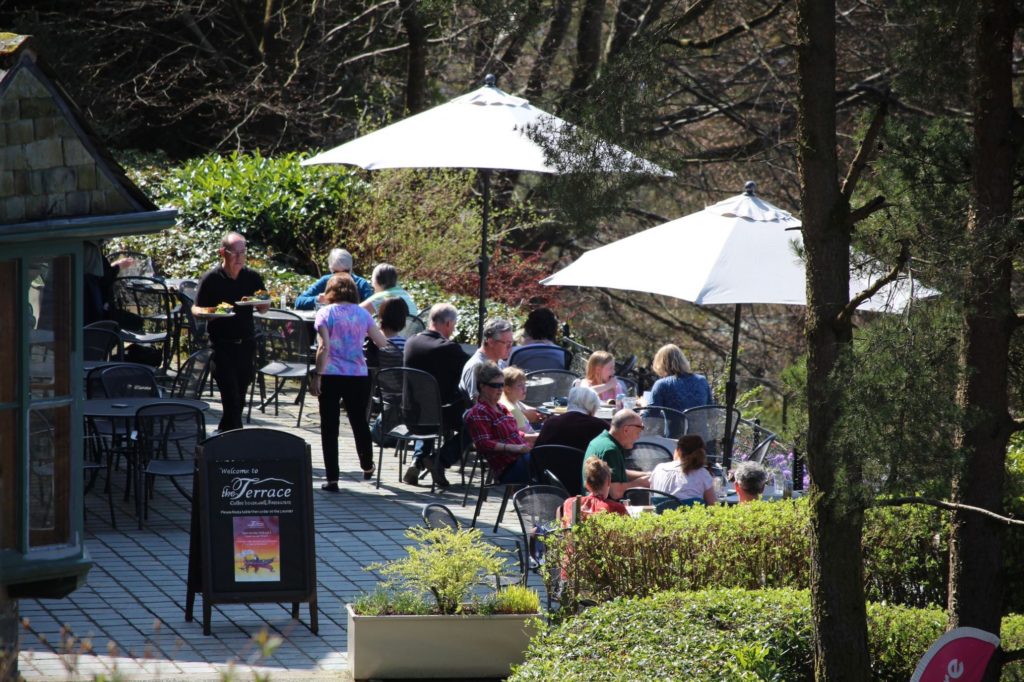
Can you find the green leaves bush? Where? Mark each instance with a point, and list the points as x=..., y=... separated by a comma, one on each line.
x=758, y=545
x=724, y=635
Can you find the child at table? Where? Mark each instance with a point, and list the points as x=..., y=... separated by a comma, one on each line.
x=597, y=477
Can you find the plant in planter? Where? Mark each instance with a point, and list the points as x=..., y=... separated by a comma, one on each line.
x=426, y=620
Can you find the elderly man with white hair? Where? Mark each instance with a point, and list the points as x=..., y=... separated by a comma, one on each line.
x=338, y=260
x=578, y=426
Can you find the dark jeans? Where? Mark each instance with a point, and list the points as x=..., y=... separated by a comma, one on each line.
x=518, y=471
x=453, y=447
x=232, y=370
x=355, y=391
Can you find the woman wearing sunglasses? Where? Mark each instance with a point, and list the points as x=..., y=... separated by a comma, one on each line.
x=494, y=430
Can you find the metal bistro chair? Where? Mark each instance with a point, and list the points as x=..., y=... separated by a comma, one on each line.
x=411, y=410
x=101, y=344
x=563, y=462
x=283, y=355
x=646, y=455
x=192, y=376
x=540, y=356
x=487, y=482
x=545, y=385
x=708, y=422
x=663, y=422
x=122, y=381
x=413, y=326
x=157, y=428
x=752, y=441
x=659, y=499
x=437, y=515
x=144, y=307
x=193, y=328
x=537, y=508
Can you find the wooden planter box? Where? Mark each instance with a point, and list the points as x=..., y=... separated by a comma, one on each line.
x=386, y=647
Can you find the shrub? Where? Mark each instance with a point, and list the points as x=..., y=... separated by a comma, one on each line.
x=759, y=545
x=723, y=635
x=514, y=599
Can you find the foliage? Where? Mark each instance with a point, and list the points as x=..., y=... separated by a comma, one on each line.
x=757, y=545
x=383, y=602
x=724, y=635
x=513, y=599
x=429, y=293
x=445, y=563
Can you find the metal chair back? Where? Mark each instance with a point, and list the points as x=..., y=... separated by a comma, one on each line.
x=663, y=422
x=101, y=344
x=192, y=376
x=283, y=354
x=160, y=426
x=546, y=385
x=436, y=515
x=144, y=308
x=410, y=409
x=128, y=381
x=646, y=455
x=708, y=422
x=644, y=497
x=563, y=462
x=413, y=325
x=537, y=509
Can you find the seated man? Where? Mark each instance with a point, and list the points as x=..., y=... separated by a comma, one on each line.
x=749, y=479
x=597, y=478
x=613, y=447
x=339, y=260
x=578, y=426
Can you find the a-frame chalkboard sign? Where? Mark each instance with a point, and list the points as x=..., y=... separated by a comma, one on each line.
x=252, y=523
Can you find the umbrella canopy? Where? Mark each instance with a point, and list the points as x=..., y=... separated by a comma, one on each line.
x=741, y=250
x=486, y=129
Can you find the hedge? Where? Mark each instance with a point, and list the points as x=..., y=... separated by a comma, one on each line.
x=760, y=545
x=726, y=635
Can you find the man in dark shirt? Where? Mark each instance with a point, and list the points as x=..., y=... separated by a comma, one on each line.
x=433, y=352
x=232, y=338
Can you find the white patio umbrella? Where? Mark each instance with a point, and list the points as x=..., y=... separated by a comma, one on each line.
x=741, y=250
x=486, y=129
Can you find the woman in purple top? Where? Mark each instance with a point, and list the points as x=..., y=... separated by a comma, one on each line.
x=679, y=388
x=341, y=373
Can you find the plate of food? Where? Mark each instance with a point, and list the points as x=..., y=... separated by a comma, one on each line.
x=219, y=310
x=259, y=297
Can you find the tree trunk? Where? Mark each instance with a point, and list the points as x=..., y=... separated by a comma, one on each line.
x=837, y=584
x=975, y=577
x=588, y=46
x=416, y=72
x=557, y=29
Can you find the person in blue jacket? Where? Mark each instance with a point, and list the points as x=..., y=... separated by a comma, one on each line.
x=339, y=260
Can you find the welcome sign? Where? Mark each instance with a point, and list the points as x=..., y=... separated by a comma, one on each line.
x=252, y=522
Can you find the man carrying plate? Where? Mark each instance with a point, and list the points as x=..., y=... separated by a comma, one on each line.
x=232, y=336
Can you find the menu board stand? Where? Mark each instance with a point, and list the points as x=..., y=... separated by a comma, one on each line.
x=252, y=536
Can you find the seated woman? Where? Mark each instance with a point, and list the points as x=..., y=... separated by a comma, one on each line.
x=391, y=317
x=597, y=477
x=494, y=430
x=687, y=476
x=385, y=284
x=540, y=350
x=578, y=426
x=512, y=399
x=600, y=375
x=679, y=388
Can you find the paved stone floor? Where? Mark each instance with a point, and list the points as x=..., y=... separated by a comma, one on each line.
x=130, y=613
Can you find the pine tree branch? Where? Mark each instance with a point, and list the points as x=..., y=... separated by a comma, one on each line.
x=950, y=506
x=847, y=312
x=743, y=27
x=864, y=152
x=862, y=212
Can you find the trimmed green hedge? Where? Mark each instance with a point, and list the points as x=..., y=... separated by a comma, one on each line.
x=725, y=635
x=760, y=545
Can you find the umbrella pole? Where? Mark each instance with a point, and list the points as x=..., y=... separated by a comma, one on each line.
x=485, y=179
x=730, y=392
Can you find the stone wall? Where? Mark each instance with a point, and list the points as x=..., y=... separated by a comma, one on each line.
x=45, y=169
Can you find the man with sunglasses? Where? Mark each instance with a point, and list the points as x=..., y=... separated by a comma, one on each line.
x=232, y=338
x=613, y=447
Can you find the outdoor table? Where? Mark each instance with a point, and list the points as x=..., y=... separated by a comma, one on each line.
x=125, y=408
x=539, y=381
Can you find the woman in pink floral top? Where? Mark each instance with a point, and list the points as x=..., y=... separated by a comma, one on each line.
x=494, y=430
x=341, y=373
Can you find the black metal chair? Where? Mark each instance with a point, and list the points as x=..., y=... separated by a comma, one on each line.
x=663, y=422
x=646, y=455
x=157, y=428
x=562, y=461
x=192, y=376
x=101, y=344
x=537, y=508
x=648, y=497
x=282, y=354
x=144, y=309
x=487, y=483
x=540, y=356
x=188, y=324
x=437, y=515
x=708, y=422
x=548, y=478
x=545, y=385
x=411, y=410
x=413, y=325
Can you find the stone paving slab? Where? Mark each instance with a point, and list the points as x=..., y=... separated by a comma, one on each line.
x=131, y=611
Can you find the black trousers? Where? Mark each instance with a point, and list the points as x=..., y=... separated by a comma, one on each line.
x=232, y=370
x=355, y=391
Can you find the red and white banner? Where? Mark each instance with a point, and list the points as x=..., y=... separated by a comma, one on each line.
x=959, y=655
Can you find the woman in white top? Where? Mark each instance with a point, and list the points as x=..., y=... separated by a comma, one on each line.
x=512, y=398
x=686, y=476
